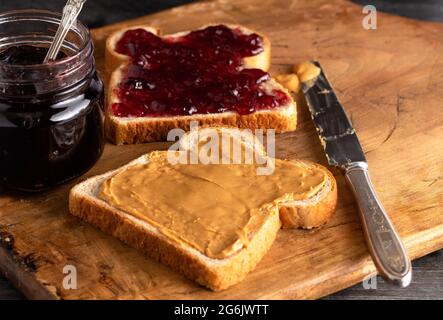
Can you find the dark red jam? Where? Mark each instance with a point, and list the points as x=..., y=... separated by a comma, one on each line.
x=26, y=55
x=51, y=137
x=199, y=73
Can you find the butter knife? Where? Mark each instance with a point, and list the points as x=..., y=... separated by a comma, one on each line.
x=343, y=150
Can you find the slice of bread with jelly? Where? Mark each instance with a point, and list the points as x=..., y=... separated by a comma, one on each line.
x=211, y=222
x=216, y=75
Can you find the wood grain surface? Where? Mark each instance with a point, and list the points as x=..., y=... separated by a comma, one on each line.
x=391, y=83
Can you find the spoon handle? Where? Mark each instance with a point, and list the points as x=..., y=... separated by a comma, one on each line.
x=70, y=13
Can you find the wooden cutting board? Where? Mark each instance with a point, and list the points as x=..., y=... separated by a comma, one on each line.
x=391, y=83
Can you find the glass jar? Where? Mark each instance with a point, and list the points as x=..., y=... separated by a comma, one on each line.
x=51, y=115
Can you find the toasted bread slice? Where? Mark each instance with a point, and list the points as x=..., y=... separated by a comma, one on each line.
x=129, y=130
x=215, y=273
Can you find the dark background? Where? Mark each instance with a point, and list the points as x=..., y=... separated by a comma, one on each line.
x=101, y=12
x=428, y=272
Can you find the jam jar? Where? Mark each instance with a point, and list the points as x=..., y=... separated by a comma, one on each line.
x=51, y=115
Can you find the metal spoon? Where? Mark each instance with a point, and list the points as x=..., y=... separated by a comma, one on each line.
x=70, y=13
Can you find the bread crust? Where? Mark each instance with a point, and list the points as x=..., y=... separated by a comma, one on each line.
x=311, y=215
x=125, y=130
x=142, y=130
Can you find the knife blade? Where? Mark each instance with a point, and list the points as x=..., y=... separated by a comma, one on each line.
x=334, y=128
x=343, y=150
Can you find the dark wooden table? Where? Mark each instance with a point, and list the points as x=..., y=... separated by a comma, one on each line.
x=428, y=271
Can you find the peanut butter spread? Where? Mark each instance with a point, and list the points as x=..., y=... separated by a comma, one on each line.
x=215, y=208
x=289, y=81
x=306, y=71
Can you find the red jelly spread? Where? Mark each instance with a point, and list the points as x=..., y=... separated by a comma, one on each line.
x=26, y=55
x=198, y=73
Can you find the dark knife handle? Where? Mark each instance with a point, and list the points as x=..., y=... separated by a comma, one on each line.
x=384, y=244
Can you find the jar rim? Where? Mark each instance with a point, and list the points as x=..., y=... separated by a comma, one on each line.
x=38, y=27
x=50, y=17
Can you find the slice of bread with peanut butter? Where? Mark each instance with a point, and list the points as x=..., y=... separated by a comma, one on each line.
x=211, y=222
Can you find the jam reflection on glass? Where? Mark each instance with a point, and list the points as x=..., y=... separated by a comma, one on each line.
x=199, y=73
x=47, y=140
